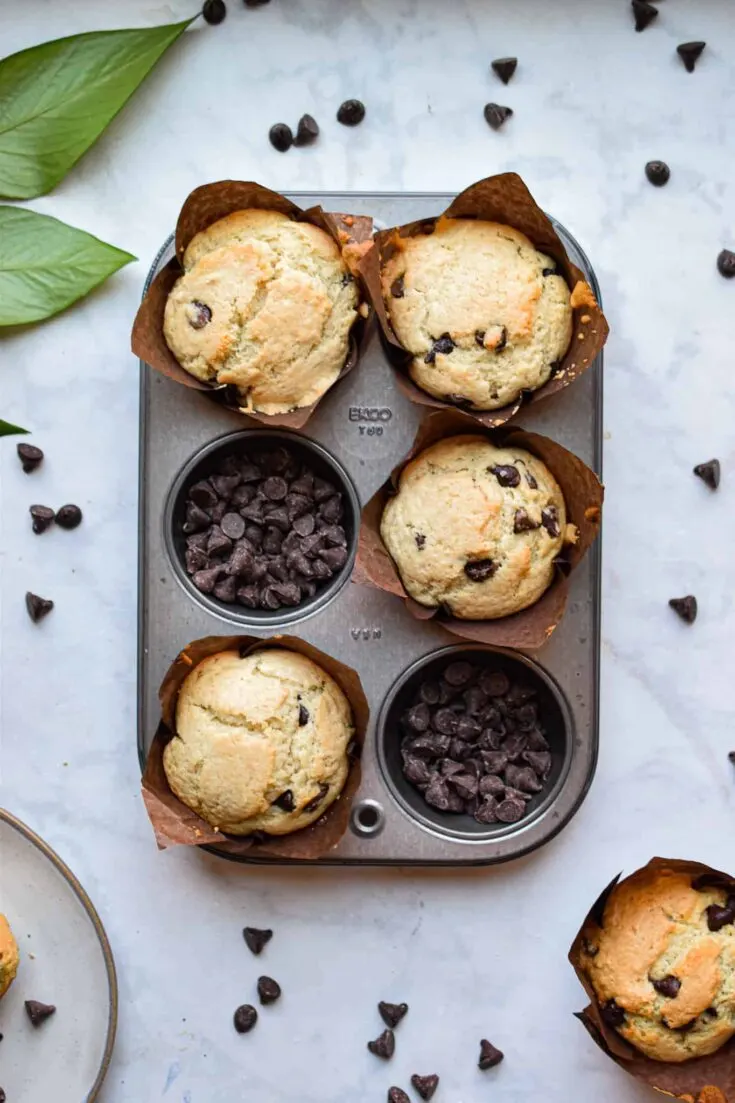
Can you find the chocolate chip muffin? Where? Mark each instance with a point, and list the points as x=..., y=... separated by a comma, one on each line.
x=475, y=528
x=265, y=304
x=9, y=957
x=662, y=963
x=261, y=742
x=484, y=315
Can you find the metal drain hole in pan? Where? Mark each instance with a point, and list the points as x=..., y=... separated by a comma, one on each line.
x=367, y=818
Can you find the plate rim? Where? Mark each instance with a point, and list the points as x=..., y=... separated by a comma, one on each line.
x=78, y=890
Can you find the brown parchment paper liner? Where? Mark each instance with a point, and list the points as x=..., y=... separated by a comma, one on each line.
x=205, y=205
x=701, y=1080
x=583, y=494
x=504, y=198
x=176, y=825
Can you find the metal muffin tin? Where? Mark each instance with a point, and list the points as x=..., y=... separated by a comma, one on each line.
x=366, y=425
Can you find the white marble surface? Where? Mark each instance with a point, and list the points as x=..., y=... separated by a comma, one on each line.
x=480, y=953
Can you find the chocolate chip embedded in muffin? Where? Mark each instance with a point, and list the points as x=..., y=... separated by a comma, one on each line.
x=506, y=474
x=198, y=314
x=443, y=345
x=612, y=1014
x=667, y=986
x=479, y=570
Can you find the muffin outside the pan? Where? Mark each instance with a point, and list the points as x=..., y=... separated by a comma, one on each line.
x=9, y=956
x=265, y=304
x=483, y=313
x=261, y=741
x=476, y=529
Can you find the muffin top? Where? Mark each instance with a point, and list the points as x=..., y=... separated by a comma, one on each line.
x=663, y=964
x=9, y=957
x=265, y=304
x=475, y=528
x=483, y=313
x=261, y=742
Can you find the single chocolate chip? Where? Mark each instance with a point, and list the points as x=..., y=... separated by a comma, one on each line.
x=443, y=345
x=233, y=525
x=275, y=488
x=667, y=986
x=420, y=540
x=226, y=589
x=429, y=693
x=203, y=494
x=643, y=13
x=303, y=716
x=196, y=519
x=38, y=1012
x=397, y=1095
x=351, y=113
x=657, y=173
x=506, y=474
x=709, y=473
x=304, y=525
x=504, y=67
x=465, y=785
x=245, y=1018
x=197, y=540
x=726, y=264
x=206, y=580
x=214, y=11
x=256, y=938
x=439, y=796
x=280, y=137
x=307, y=131
x=523, y=522
x=314, y=803
x=523, y=778
x=29, y=456
x=417, y=718
x=685, y=607
x=690, y=53
x=248, y=596
x=459, y=674
x=218, y=543
x=495, y=114
x=486, y=813
x=445, y=721
x=468, y=729
x=425, y=1085
x=612, y=1014
x=241, y=562
x=384, y=1046
x=491, y=785
x=198, y=314
x=710, y=1012
x=479, y=570
x=494, y=682
x=549, y=272
x=269, y=990
x=396, y=288
x=719, y=916
x=490, y=1055
x=392, y=1013
x=331, y=510
x=38, y=607
x=731, y=757
x=43, y=517
x=510, y=810
x=531, y=481
x=416, y=770
x=539, y=761
x=550, y=520
x=334, y=557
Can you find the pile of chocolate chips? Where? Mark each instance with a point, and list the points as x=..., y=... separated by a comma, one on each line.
x=264, y=530
x=474, y=744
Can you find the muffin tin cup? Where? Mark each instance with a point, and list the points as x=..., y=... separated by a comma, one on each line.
x=503, y=198
x=174, y=824
x=557, y=720
x=530, y=628
x=703, y=1079
x=204, y=206
x=203, y=463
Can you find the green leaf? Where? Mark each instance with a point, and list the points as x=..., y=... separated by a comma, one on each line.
x=8, y=430
x=57, y=98
x=46, y=265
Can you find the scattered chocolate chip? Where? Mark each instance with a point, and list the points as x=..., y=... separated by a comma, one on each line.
x=726, y=264
x=731, y=757
x=256, y=938
x=643, y=14
x=280, y=137
x=490, y=1055
x=3, y=1096
x=504, y=67
x=442, y=345
x=38, y=1012
x=667, y=986
x=397, y=1095
x=719, y=916
x=510, y=810
x=709, y=473
x=303, y=716
x=69, y=516
x=38, y=607
x=550, y=520
x=245, y=1018
x=479, y=570
x=612, y=1014
x=506, y=474
x=495, y=114
x=392, y=1013
x=307, y=131
x=685, y=607
x=384, y=1046
x=396, y=288
x=43, y=517
x=30, y=457
x=657, y=173
x=269, y=990
x=690, y=52
x=206, y=580
x=523, y=522
x=314, y=803
x=425, y=1085
x=351, y=113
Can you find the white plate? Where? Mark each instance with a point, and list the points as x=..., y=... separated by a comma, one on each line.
x=65, y=959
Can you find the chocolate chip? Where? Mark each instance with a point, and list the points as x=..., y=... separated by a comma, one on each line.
x=589, y=948
x=226, y=589
x=612, y=1014
x=439, y=796
x=214, y=11
x=539, y=761
x=269, y=990
x=38, y=1012
x=719, y=916
x=396, y=288
x=549, y=272
x=726, y=264
x=445, y=721
x=685, y=607
x=303, y=716
x=334, y=557
x=657, y=173
x=245, y=1018
x=384, y=1046
x=397, y=1095
x=523, y=778
x=550, y=520
x=304, y=525
x=504, y=67
x=218, y=543
x=531, y=481
x=196, y=559
x=458, y=674
x=307, y=131
x=198, y=314
x=731, y=757
x=331, y=511
x=233, y=525
x=241, y=561
x=491, y=785
x=468, y=729
x=351, y=113
x=496, y=114
x=523, y=522
x=709, y=473
x=479, y=570
x=203, y=494
x=314, y=803
x=442, y=345
x=3, y=1096
x=256, y=938
x=510, y=810
x=416, y=771
x=506, y=474
x=248, y=596
x=29, y=456
x=280, y=137
x=334, y=535
x=43, y=518
x=690, y=52
x=196, y=519
x=38, y=607
x=418, y=717
x=275, y=488
x=494, y=682
x=480, y=337
x=643, y=14
x=490, y=1055
x=206, y=580
x=667, y=986
x=392, y=1013
x=465, y=785
x=420, y=540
